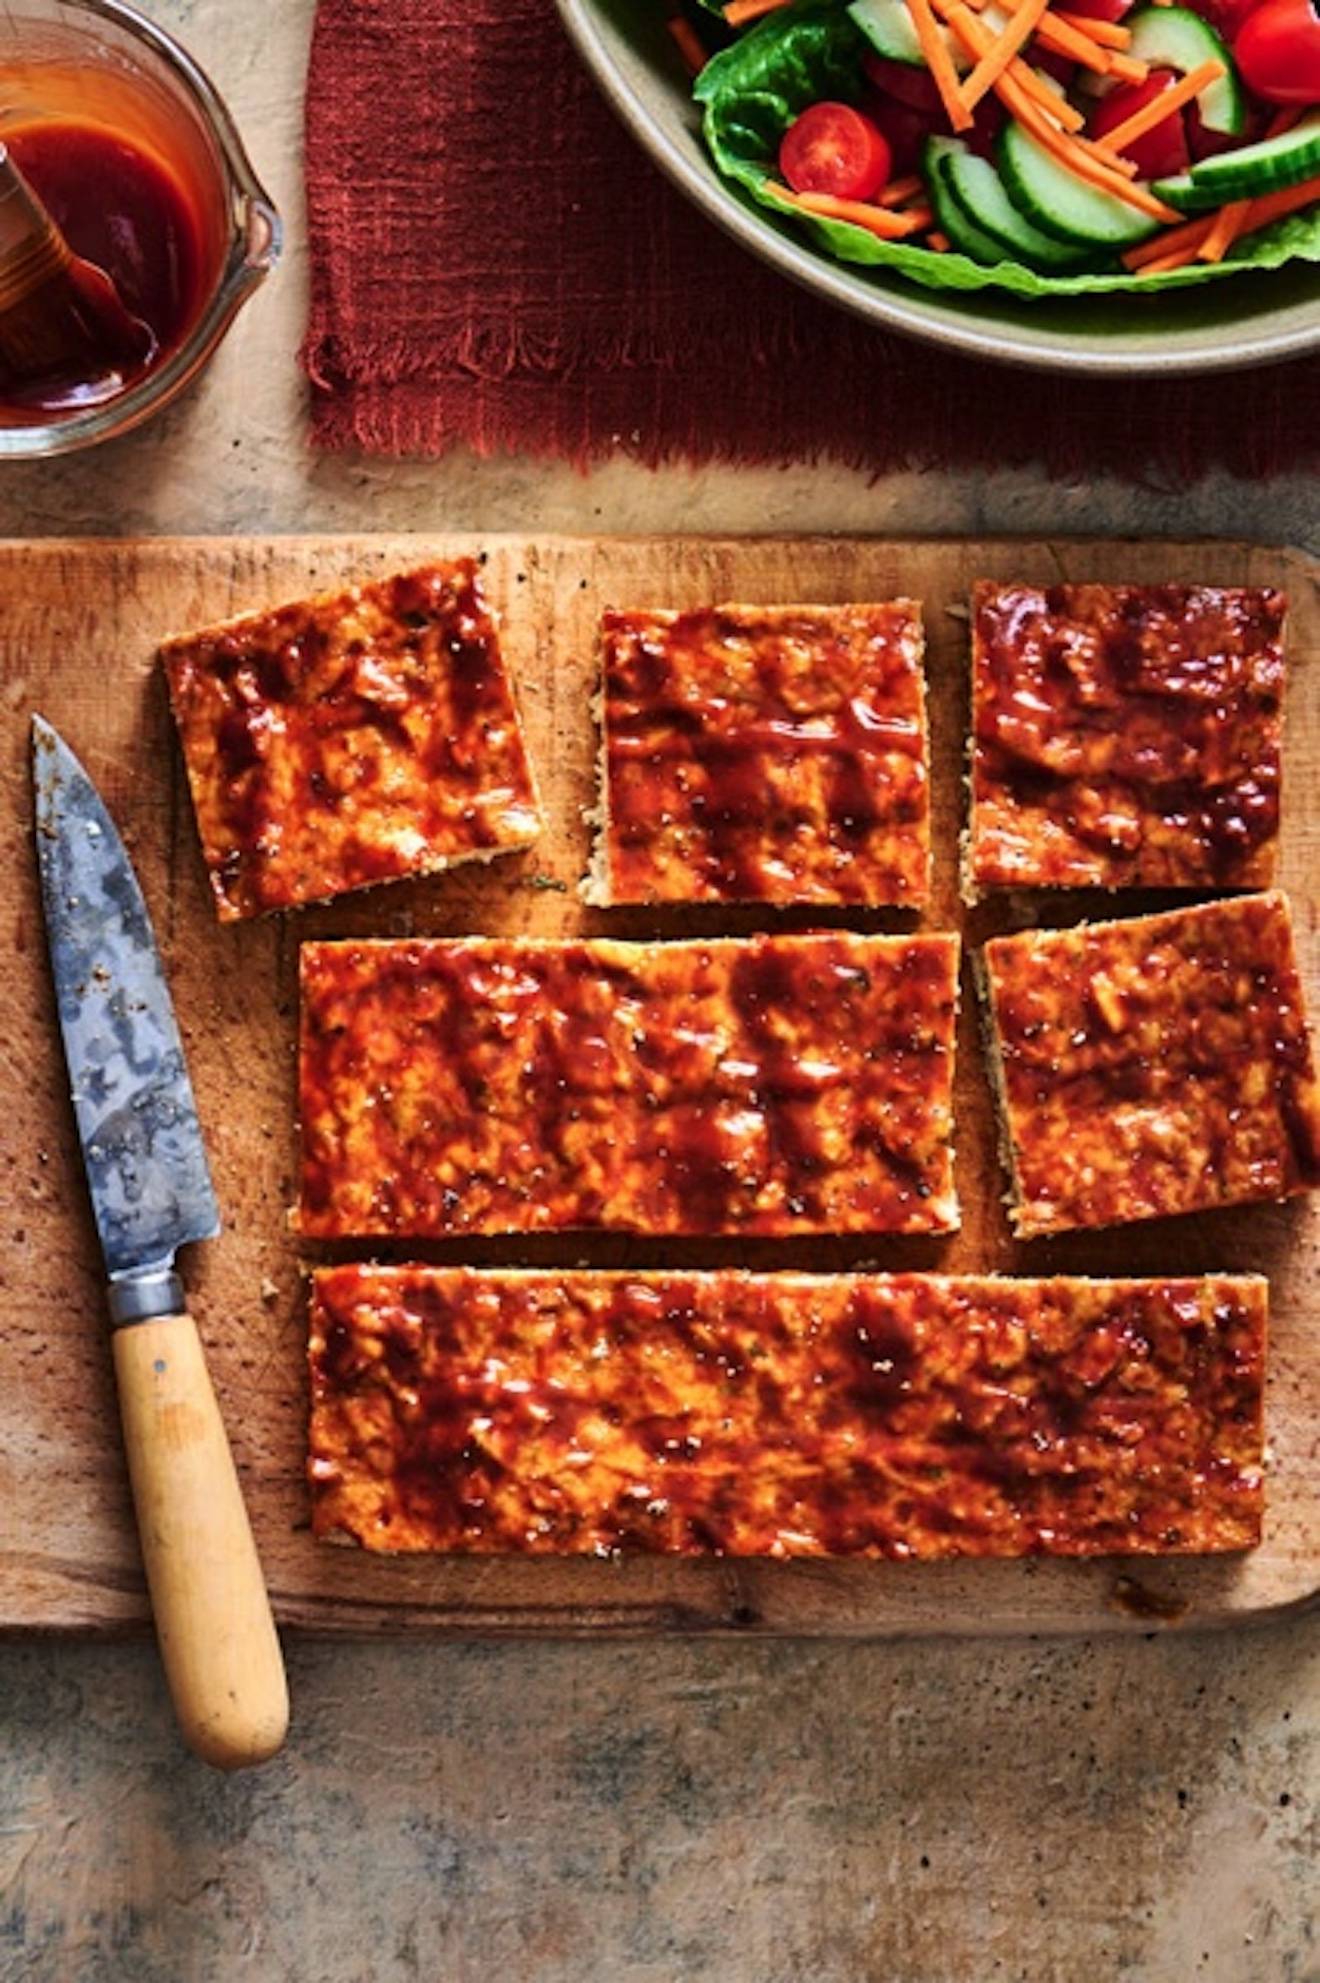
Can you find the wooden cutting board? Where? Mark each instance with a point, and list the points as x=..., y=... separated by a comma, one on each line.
x=78, y=627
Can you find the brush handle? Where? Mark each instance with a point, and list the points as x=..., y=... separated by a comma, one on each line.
x=217, y=1637
x=62, y=321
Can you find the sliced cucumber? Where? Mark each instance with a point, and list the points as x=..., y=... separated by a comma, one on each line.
x=963, y=233
x=1264, y=167
x=1183, y=193
x=1176, y=38
x=887, y=25
x=1060, y=203
x=976, y=188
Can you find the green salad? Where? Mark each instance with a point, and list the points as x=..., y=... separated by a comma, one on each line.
x=1044, y=147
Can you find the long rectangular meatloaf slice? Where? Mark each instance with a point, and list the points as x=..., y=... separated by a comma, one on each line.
x=1125, y=736
x=1153, y=1066
x=352, y=738
x=767, y=1085
x=765, y=754
x=560, y=1413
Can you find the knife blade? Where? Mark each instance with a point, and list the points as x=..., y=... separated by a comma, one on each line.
x=151, y=1193
x=147, y=1173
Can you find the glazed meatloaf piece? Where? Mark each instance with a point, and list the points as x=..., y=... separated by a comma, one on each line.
x=764, y=754
x=352, y=738
x=1153, y=1066
x=766, y=1085
x=1125, y=736
x=568, y=1412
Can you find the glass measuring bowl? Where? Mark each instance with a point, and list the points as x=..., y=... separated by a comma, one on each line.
x=99, y=62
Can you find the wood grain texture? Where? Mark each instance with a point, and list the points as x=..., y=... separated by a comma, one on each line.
x=217, y=1642
x=79, y=623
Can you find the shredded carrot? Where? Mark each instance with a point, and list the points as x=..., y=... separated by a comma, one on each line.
x=1114, y=161
x=899, y=190
x=1021, y=76
x=1065, y=36
x=1208, y=237
x=1030, y=86
x=1057, y=32
x=1085, y=161
x=1127, y=68
x=1189, y=235
x=876, y=220
x=1080, y=159
x=1109, y=34
x=1084, y=156
x=1033, y=86
x=1224, y=230
x=688, y=43
x=1081, y=156
x=1054, y=122
x=739, y=12
x=1163, y=105
x=1181, y=258
x=1273, y=206
x=940, y=63
x=1046, y=116
x=1002, y=50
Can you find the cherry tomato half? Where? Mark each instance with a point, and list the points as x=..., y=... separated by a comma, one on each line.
x=1278, y=51
x=1158, y=153
x=832, y=148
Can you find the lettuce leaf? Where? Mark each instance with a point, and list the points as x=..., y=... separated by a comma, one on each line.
x=810, y=50
x=754, y=89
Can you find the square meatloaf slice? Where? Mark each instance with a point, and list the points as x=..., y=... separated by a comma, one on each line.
x=1154, y=1065
x=764, y=754
x=1125, y=736
x=353, y=738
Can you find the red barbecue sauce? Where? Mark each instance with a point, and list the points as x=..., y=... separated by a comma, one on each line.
x=122, y=208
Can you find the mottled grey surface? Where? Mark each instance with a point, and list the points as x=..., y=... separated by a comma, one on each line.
x=1058, y=1813
x=656, y=1813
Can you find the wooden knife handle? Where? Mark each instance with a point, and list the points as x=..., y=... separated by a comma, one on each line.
x=217, y=1637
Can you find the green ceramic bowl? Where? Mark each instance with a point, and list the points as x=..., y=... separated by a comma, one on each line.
x=1250, y=319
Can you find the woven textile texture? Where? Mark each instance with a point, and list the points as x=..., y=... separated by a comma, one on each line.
x=496, y=264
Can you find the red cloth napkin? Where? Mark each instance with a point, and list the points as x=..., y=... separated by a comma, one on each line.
x=495, y=262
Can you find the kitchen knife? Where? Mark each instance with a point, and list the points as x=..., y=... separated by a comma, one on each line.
x=151, y=1193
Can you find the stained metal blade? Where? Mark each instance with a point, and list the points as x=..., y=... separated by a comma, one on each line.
x=142, y=1145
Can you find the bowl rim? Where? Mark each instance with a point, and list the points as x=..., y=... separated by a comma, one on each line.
x=253, y=248
x=1002, y=343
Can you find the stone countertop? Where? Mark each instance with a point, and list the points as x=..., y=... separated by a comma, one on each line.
x=679, y=1812
x=664, y=1812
